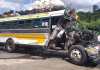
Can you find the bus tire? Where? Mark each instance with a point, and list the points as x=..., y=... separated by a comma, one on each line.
x=10, y=45
x=78, y=55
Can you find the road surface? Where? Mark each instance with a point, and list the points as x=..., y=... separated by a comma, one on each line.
x=30, y=61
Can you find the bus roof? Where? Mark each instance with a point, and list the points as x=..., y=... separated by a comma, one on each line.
x=33, y=16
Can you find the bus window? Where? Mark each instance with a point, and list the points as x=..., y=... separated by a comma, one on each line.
x=20, y=22
x=40, y=23
x=7, y=25
x=16, y=25
x=25, y=24
x=45, y=22
x=36, y=23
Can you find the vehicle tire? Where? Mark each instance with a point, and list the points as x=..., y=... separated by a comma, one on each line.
x=77, y=55
x=10, y=46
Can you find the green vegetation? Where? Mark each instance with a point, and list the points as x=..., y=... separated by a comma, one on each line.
x=91, y=21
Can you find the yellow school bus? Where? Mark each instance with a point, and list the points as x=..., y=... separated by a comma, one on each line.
x=32, y=29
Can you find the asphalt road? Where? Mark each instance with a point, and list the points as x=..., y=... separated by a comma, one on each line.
x=29, y=60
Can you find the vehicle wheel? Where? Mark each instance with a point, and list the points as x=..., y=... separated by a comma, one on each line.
x=77, y=55
x=10, y=46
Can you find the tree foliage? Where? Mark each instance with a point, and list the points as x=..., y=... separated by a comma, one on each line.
x=90, y=20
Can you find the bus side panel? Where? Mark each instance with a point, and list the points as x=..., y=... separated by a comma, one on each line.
x=29, y=37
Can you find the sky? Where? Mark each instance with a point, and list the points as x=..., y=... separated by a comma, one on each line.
x=85, y=5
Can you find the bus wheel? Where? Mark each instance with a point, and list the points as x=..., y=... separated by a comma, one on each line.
x=78, y=55
x=10, y=46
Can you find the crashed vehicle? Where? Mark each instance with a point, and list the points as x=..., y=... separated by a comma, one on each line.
x=34, y=30
x=82, y=46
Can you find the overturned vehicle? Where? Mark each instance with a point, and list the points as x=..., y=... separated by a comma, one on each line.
x=82, y=46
